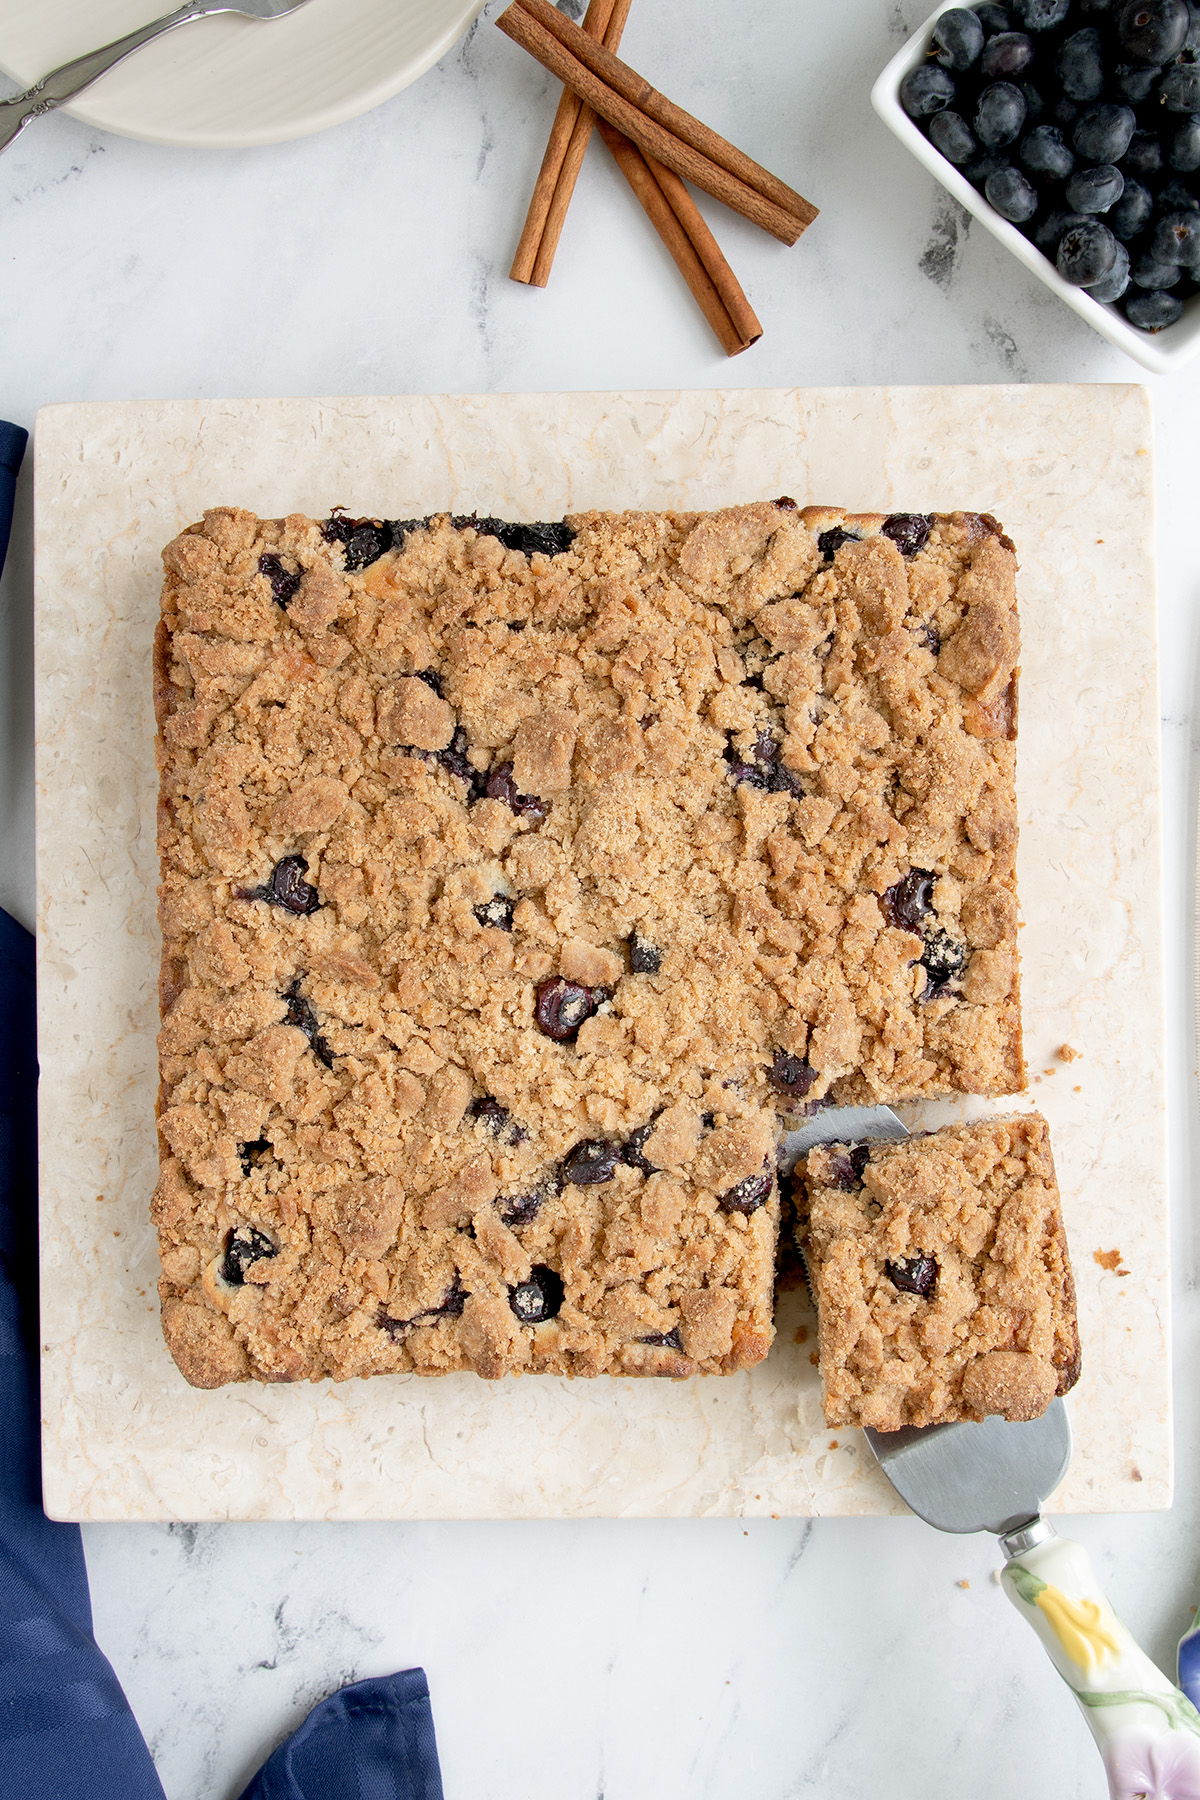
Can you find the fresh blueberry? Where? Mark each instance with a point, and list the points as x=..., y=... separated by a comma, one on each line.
x=1116, y=281
x=993, y=19
x=501, y=786
x=908, y=903
x=540, y=1298
x=1179, y=90
x=1183, y=153
x=913, y=1275
x=982, y=166
x=1052, y=230
x=561, y=1007
x=1041, y=15
x=244, y=1246
x=1153, y=311
x=950, y=133
x=1150, y=273
x=1144, y=156
x=1132, y=212
x=1152, y=31
x=791, y=1075
x=1177, y=239
x=592, y=1161
x=1006, y=55
x=496, y=914
x=645, y=958
x=908, y=531
x=1086, y=253
x=1094, y=190
x=1012, y=194
x=1044, y=151
x=300, y=1014
x=284, y=584
x=959, y=38
x=1080, y=65
x=942, y=959
x=926, y=90
x=1035, y=105
x=1103, y=132
x=1134, y=81
x=749, y=1194
x=999, y=115
x=1177, y=196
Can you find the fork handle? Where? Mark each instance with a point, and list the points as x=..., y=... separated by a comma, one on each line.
x=71, y=78
x=1146, y=1730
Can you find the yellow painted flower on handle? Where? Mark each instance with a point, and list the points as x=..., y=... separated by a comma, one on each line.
x=1078, y=1625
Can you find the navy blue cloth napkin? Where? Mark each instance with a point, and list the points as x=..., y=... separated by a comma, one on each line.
x=13, y=440
x=66, y=1731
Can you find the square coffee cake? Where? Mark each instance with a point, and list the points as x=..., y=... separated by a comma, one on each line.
x=941, y=1275
x=519, y=881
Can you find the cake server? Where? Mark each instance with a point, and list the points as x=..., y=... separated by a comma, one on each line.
x=62, y=84
x=997, y=1476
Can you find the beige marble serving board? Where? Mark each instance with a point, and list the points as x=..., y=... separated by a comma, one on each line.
x=1068, y=470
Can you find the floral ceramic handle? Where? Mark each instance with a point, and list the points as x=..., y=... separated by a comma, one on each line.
x=1146, y=1730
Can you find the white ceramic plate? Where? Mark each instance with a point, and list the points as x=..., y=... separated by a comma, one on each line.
x=1162, y=351
x=227, y=82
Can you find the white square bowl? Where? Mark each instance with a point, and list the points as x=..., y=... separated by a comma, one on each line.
x=1162, y=351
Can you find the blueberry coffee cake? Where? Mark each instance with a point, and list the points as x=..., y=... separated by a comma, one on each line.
x=518, y=880
x=940, y=1271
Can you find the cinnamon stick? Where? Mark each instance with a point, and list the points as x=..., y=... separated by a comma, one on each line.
x=565, y=150
x=660, y=129
x=680, y=224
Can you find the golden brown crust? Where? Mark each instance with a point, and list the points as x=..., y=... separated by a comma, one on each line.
x=718, y=743
x=943, y=1283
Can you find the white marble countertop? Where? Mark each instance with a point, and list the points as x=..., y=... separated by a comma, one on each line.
x=587, y=1660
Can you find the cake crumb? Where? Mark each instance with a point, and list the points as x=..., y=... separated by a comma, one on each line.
x=1135, y=1474
x=962, y=1584
x=1108, y=1259
x=800, y=1336
x=813, y=1358
x=1068, y=1053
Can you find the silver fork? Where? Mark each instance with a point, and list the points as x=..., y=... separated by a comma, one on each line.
x=64, y=83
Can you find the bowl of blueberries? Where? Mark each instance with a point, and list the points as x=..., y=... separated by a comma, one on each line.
x=1071, y=129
